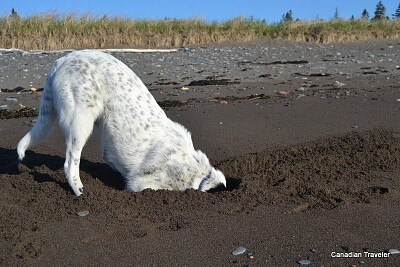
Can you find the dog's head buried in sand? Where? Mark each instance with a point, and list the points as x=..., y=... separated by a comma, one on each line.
x=88, y=90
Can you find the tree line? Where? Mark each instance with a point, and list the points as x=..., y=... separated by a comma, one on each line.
x=379, y=14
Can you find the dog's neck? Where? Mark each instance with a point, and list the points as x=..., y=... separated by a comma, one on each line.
x=204, y=180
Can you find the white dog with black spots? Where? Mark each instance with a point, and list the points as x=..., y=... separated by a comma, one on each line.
x=88, y=90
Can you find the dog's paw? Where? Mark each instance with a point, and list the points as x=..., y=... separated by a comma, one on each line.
x=78, y=192
x=78, y=189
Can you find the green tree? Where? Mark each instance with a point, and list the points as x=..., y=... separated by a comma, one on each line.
x=14, y=13
x=380, y=11
x=288, y=17
x=365, y=15
x=396, y=14
x=336, y=14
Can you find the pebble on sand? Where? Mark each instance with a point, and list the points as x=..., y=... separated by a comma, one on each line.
x=4, y=107
x=303, y=262
x=11, y=99
x=393, y=251
x=82, y=213
x=283, y=93
x=338, y=84
x=239, y=250
x=345, y=248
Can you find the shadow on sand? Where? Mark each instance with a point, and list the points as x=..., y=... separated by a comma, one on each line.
x=9, y=164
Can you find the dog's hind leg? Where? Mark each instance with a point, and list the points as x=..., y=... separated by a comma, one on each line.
x=77, y=131
x=43, y=127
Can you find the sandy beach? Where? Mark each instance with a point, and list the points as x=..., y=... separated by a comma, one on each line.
x=307, y=134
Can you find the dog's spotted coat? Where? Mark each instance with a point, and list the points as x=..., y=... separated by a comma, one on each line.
x=89, y=89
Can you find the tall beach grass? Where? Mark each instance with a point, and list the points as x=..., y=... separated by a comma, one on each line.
x=52, y=31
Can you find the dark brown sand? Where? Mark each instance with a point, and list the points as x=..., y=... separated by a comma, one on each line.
x=308, y=174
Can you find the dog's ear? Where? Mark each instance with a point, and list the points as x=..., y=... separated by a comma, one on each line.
x=215, y=179
x=219, y=177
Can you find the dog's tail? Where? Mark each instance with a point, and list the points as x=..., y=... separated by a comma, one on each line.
x=44, y=125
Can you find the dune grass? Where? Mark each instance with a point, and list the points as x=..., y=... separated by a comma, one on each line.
x=51, y=31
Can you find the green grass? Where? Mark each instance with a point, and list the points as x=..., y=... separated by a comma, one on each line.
x=51, y=31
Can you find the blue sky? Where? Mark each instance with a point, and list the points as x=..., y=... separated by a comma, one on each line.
x=271, y=11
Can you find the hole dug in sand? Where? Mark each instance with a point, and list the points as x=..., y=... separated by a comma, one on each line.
x=231, y=184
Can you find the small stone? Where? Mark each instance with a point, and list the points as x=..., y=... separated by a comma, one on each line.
x=250, y=256
x=345, y=248
x=223, y=102
x=184, y=88
x=301, y=89
x=173, y=94
x=338, y=84
x=398, y=99
x=10, y=99
x=393, y=251
x=303, y=262
x=355, y=127
x=313, y=250
x=82, y=213
x=361, y=262
x=239, y=250
x=4, y=107
x=283, y=93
